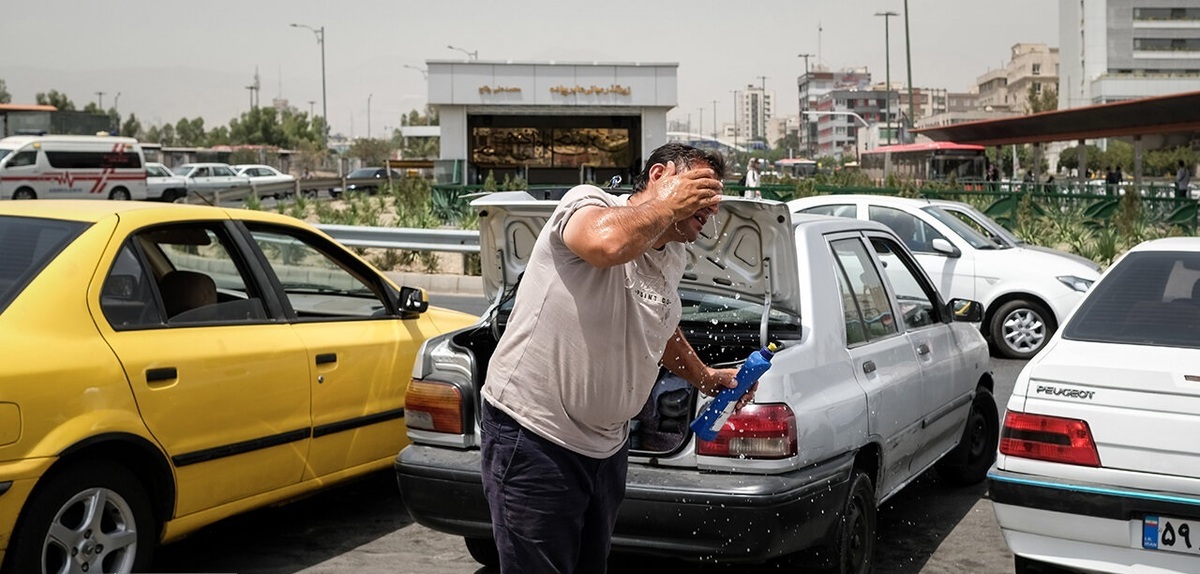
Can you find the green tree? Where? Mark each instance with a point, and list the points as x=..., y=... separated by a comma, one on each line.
x=5, y=97
x=1045, y=101
x=132, y=127
x=218, y=136
x=371, y=151
x=788, y=144
x=190, y=132
x=56, y=99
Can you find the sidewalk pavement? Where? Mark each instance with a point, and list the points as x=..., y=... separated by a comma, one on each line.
x=440, y=283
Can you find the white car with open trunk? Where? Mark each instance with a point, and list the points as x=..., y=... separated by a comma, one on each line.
x=877, y=381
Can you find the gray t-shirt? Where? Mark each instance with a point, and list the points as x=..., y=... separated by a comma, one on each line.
x=582, y=346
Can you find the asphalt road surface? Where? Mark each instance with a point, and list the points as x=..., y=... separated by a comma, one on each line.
x=362, y=528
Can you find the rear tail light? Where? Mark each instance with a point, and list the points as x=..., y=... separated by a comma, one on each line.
x=433, y=406
x=1048, y=438
x=757, y=431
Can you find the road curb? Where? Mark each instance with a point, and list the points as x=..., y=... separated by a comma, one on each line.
x=440, y=283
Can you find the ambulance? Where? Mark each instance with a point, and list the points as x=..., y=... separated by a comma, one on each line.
x=71, y=167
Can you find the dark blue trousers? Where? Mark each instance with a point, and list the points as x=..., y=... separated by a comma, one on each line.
x=553, y=510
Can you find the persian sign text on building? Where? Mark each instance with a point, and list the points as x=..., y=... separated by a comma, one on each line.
x=592, y=90
x=498, y=89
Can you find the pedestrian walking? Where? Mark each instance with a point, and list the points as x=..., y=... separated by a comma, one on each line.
x=1183, y=179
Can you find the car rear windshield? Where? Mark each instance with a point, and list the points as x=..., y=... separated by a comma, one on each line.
x=1149, y=298
x=29, y=244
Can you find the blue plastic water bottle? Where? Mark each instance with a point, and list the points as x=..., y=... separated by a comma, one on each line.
x=713, y=417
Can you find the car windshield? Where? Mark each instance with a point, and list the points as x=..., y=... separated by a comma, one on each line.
x=365, y=172
x=154, y=170
x=4, y=153
x=984, y=224
x=1149, y=298
x=29, y=244
x=972, y=237
x=182, y=169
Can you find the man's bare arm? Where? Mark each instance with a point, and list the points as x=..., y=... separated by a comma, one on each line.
x=608, y=236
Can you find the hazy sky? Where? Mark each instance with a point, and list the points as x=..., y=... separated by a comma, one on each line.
x=170, y=60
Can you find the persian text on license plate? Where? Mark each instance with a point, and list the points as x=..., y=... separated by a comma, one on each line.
x=1171, y=534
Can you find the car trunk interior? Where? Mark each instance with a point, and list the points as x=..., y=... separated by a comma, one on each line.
x=661, y=427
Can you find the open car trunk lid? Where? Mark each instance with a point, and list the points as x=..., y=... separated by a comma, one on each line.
x=746, y=250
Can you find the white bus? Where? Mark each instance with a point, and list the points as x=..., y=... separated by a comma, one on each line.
x=71, y=167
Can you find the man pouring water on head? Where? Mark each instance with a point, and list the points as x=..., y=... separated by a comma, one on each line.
x=596, y=314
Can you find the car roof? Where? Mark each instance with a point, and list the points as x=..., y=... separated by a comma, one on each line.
x=1169, y=244
x=852, y=198
x=92, y=210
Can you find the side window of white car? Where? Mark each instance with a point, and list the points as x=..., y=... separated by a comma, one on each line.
x=915, y=234
x=836, y=210
x=912, y=293
x=865, y=303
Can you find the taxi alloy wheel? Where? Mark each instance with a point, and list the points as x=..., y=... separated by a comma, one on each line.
x=92, y=517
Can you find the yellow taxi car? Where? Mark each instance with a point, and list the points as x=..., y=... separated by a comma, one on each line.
x=168, y=366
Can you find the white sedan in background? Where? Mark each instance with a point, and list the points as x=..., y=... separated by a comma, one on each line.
x=1026, y=293
x=263, y=175
x=210, y=177
x=1099, y=466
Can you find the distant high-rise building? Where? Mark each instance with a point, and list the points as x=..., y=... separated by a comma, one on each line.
x=1114, y=50
x=755, y=107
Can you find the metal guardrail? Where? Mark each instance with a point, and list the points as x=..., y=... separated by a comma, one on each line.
x=452, y=240
x=296, y=187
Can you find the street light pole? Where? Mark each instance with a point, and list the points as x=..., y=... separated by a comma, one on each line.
x=842, y=113
x=424, y=74
x=320, y=34
x=700, y=113
x=470, y=55
x=369, y=96
x=736, y=127
x=887, y=55
x=908, y=59
x=714, y=119
x=101, y=96
x=116, y=108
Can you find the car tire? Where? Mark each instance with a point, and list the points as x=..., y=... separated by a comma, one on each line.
x=172, y=195
x=24, y=193
x=854, y=543
x=483, y=550
x=1020, y=328
x=969, y=462
x=69, y=495
x=120, y=194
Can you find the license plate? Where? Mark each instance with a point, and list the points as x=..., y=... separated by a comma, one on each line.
x=1171, y=534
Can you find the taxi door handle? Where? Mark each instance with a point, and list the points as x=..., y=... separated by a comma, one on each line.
x=323, y=358
x=163, y=374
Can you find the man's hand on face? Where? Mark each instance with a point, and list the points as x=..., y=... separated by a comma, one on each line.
x=684, y=192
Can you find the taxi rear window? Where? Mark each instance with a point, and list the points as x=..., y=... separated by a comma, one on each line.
x=29, y=245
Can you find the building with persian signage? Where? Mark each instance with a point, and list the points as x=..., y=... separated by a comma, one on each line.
x=548, y=122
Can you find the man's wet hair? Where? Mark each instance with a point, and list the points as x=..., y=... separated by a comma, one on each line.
x=684, y=156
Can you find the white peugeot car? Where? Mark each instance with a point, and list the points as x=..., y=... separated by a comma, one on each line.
x=1026, y=293
x=1099, y=465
